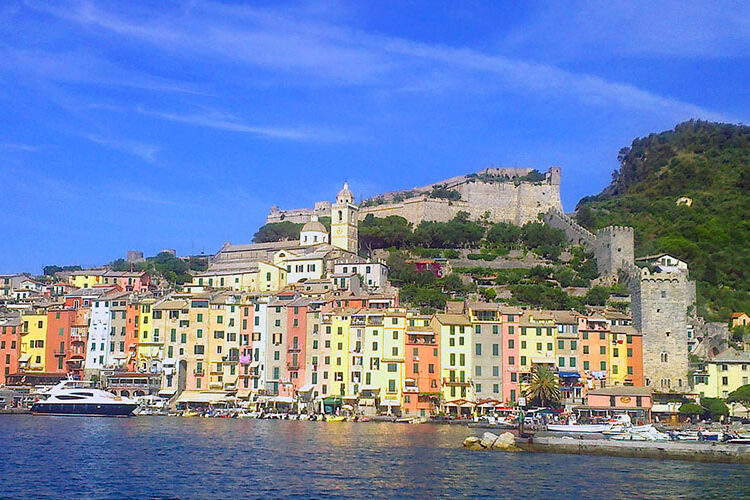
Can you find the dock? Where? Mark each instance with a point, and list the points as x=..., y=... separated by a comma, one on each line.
x=672, y=450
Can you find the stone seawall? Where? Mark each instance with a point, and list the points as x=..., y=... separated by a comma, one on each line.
x=671, y=450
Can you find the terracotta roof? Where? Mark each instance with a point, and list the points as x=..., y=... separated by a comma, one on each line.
x=453, y=319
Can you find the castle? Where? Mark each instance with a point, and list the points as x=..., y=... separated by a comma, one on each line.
x=506, y=194
x=661, y=301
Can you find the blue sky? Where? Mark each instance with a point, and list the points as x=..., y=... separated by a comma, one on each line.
x=149, y=125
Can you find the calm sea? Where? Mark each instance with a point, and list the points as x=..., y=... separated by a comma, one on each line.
x=163, y=457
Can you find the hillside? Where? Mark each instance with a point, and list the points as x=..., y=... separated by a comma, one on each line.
x=708, y=163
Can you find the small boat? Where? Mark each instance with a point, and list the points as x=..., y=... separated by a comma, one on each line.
x=331, y=418
x=190, y=413
x=579, y=428
x=78, y=397
x=710, y=435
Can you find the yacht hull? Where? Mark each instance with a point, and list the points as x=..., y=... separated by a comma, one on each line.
x=88, y=409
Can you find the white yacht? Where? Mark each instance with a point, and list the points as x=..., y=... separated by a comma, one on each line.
x=78, y=397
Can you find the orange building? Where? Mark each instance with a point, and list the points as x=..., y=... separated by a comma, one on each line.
x=67, y=356
x=422, y=363
x=594, y=332
x=10, y=346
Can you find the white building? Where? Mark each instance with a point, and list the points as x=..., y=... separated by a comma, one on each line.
x=374, y=274
x=97, y=354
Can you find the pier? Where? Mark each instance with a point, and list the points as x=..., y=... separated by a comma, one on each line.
x=672, y=450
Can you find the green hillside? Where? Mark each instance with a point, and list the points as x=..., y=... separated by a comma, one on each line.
x=708, y=163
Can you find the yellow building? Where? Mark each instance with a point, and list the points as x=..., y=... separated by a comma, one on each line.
x=33, y=339
x=537, y=340
x=455, y=360
x=169, y=319
x=150, y=346
x=221, y=340
x=340, y=337
x=725, y=373
x=257, y=277
x=86, y=279
x=372, y=354
x=392, y=362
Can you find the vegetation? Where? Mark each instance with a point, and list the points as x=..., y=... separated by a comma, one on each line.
x=277, y=231
x=544, y=387
x=709, y=164
x=715, y=407
x=51, y=270
x=741, y=395
x=691, y=409
x=423, y=289
x=173, y=269
x=442, y=191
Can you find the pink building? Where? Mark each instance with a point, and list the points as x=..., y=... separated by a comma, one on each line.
x=296, y=339
x=608, y=401
x=510, y=331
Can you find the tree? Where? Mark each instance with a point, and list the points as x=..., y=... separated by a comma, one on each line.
x=489, y=294
x=119, y=265
x=715, y=406
x=741, y=395
x=277, y=231
x=453, y=283
x=504, y=234
x=691, y=409
x=597, y=296
x=51, y=270
x=544, y=386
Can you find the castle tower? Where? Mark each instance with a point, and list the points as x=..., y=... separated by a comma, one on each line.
x=660, y=304
x=614, y=249
x=344, y=221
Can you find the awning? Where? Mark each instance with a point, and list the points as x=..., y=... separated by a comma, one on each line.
x=306, y=388
x=201, y=397
x=24, y=358
x=282, y=399
x=390, y=402
x=569, y=374
x=167, y=392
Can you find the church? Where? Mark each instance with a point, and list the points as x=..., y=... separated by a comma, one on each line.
x=269, y=267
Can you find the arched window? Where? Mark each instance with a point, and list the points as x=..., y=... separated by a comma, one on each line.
x=664, y=357
x=341, y=215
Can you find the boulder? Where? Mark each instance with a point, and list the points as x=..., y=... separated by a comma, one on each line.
x=506, y=441
x=488, y=439
x=473, y=443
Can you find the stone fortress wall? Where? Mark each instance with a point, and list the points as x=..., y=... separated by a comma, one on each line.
x=508, y=200
x=517, y=202
x=661, y=302
x=613, y=246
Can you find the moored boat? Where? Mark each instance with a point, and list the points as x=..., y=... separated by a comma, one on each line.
x=77, y=397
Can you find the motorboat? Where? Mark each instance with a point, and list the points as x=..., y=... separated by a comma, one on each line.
x=331, y=418
x=79, y=397
x=618, y=423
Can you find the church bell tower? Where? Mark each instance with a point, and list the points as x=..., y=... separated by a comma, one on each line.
x=344, y=221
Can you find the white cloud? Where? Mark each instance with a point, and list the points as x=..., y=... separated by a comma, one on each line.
x=147, y=152
x=19, y=147
x=223, y=121
x=317, y=53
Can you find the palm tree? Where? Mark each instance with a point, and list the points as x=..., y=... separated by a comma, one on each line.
x=544, y=386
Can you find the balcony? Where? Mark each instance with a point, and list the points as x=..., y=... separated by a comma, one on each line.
x=456, y=383
x=59, y=353
x=292, y=366
x=294, y=349
x=411, y=389
x=199, y=373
